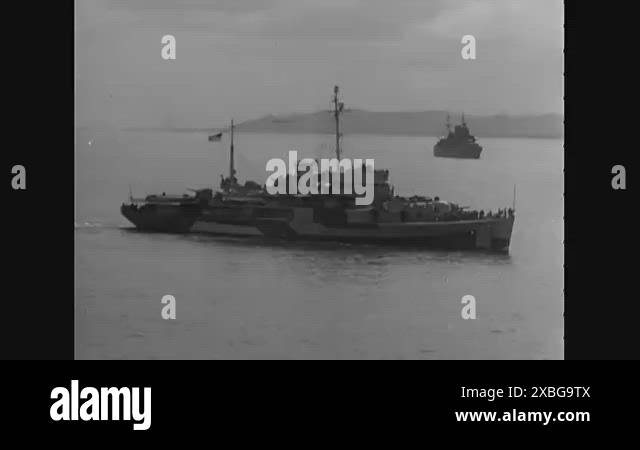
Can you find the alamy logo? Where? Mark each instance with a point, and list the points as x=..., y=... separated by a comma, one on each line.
x=328, y=175
x=124, y=404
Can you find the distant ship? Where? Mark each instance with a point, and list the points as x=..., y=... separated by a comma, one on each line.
x=459, y=143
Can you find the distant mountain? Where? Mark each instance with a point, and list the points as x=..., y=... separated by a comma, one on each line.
x=423, y=123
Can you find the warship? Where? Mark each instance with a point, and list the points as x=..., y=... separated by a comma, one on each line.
x=459, y=143
x=249, y=210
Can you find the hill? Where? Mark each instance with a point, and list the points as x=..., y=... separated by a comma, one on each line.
x=422, y=123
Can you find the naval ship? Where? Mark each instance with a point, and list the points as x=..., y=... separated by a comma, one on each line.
x=248, y=210
x=459, y=143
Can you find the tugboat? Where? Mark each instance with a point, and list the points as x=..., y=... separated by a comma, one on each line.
x=459, y=143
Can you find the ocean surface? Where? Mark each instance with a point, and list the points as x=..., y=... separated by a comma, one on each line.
x=245, y=299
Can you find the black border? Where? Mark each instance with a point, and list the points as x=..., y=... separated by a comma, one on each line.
x=38, y=267
x=601, y=311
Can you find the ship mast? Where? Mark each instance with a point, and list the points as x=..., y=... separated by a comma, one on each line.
x=337, y=109
x=232, y=170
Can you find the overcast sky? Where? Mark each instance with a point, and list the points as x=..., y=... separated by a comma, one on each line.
x=248, y=58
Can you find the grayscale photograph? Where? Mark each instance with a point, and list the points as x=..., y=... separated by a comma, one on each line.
x=319, y=179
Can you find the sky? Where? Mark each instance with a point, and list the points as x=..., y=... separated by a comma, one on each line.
x=248, y=58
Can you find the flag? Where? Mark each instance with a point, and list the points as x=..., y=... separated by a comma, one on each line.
x=215, y=137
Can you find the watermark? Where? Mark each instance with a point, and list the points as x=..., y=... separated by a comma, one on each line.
x=619, y=181
x=168, y=47
x=469, y=49
x=19, y=179
x=169, y=310
x=124, y=402
x=327, y=175
x=469, y=310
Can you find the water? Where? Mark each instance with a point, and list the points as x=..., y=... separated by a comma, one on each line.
x=244, y=298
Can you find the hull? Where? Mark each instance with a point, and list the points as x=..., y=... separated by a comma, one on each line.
x=469, y=151
x=162, y=218
x=313, y=223
x=228, y=220
x=492, y=234
x=226, y=229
